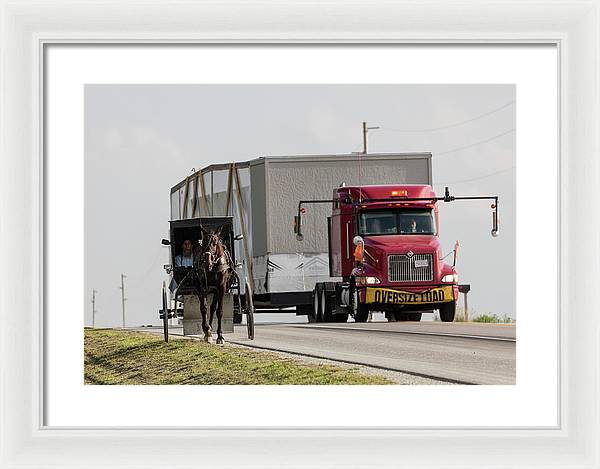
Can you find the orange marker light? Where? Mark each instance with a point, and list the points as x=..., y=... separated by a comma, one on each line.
x=402, y=193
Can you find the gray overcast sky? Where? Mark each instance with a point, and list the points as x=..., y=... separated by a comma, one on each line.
x=140, y=140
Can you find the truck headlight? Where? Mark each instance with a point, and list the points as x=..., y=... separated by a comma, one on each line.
x=450, y=278
x=367, y=280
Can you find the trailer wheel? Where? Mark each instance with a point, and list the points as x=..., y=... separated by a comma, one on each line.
x=317, y=311
x=313, y=309
x=326, y=313
x=447, y=311
x=415, y=316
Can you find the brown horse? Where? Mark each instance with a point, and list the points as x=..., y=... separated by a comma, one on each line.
x=214, y=272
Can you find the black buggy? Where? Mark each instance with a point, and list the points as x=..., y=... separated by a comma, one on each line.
x=181, y=276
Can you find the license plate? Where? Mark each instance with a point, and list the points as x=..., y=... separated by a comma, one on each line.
x=421, y=263
x=399, y=297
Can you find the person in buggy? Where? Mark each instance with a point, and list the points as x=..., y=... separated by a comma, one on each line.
x=186, y=258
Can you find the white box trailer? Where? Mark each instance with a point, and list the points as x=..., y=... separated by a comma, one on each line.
x=263, y=194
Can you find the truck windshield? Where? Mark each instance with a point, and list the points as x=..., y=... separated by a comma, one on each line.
x=401, y=221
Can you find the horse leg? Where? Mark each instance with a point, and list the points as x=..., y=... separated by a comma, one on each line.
x=205, y=327
x=213, y=307
x=221, y=293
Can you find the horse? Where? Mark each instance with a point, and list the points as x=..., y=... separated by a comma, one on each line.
x=214, y=271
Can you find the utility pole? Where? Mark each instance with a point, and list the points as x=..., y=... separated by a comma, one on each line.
x=365, y=131
x=94, y=308
x=122, y=288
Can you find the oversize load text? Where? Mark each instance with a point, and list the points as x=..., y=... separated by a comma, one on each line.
x=435, y=295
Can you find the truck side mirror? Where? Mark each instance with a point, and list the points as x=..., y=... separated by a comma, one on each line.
x=238, y=237
x=298, y=227
x=495, y=219
x=165, y=242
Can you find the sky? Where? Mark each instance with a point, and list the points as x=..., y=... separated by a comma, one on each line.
x=140, y=140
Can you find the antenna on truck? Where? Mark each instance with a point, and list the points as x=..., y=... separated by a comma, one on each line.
x=365, y=130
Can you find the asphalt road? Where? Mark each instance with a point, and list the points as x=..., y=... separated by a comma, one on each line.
x=462, y=353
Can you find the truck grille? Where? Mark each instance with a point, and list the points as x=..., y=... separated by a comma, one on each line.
x=401, y=268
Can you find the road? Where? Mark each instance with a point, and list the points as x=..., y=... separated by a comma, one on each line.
x=461, y=353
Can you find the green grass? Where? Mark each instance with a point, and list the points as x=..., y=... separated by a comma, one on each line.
x=123, y=357
x=493, y=318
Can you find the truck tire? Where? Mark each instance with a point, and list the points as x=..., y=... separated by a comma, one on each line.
x=340, y=317
x=361, y=312
x=316, y=314
x=326, y=309
x=447, y=311
x=414, y=316
x=305, y=310
x=401, y=317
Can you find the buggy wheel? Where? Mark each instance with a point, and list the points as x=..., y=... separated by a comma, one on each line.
x=249, y=312
x=165, y=308
x=237, y=311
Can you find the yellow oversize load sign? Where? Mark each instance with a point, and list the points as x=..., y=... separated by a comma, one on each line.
x=399, y=297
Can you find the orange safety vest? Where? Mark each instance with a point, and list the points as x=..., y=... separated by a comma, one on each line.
x=359, y=252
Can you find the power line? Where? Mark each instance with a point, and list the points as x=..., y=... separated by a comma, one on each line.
x=456, y=124
x=435, y=154
x=477, y=178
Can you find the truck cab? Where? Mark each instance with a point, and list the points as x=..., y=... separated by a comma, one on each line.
x=384, y=243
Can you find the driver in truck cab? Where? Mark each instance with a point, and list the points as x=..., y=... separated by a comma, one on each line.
x=413, y=225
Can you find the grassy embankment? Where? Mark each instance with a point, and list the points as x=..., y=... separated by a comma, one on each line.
x=474, y=316
x=121, y=357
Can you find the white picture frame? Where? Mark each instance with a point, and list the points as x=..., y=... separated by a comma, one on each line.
x=28, y=27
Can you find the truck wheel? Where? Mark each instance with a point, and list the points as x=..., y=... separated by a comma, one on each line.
x=326, y=313
x=447, y=311
x=316, y=314
x=340, y=317
x=414, y=316
x=361, y=312
x=401, y=316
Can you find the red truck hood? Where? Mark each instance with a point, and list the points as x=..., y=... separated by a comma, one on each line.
x=400, y=244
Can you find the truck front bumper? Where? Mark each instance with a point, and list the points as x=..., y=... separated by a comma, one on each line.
x=409, y=296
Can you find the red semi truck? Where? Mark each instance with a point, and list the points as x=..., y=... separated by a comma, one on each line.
x=384, y=245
